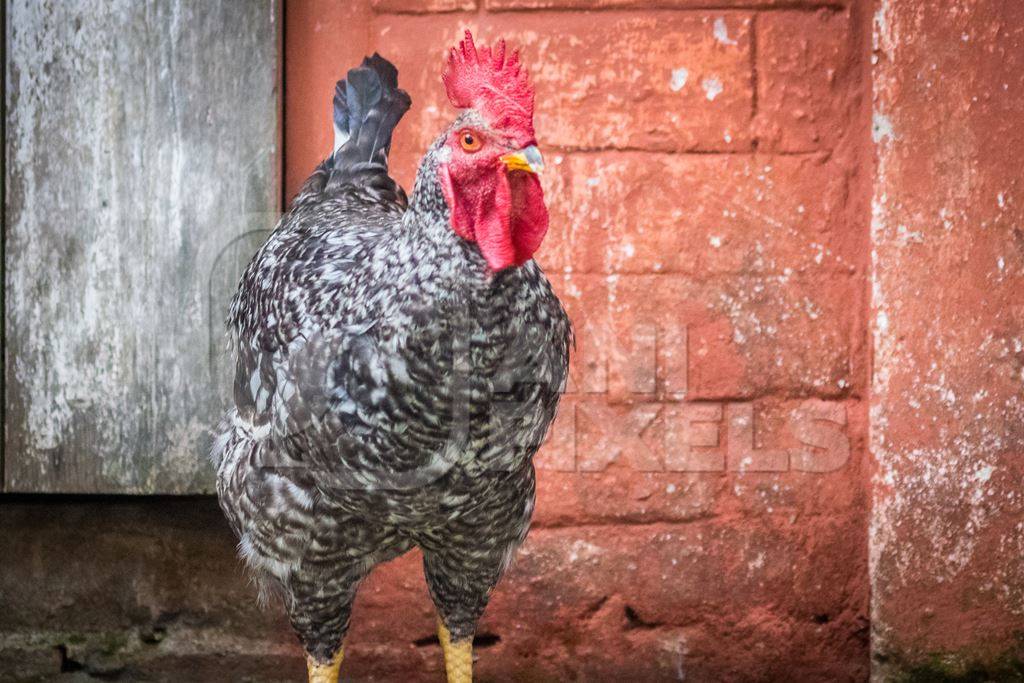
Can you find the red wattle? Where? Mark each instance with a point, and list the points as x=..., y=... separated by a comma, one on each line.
x=529, y=215
x=504, y=213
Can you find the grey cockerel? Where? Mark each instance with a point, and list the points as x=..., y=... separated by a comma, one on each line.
x=399, y=362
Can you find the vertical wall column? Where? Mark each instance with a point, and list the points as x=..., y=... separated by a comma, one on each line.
x=947, y=408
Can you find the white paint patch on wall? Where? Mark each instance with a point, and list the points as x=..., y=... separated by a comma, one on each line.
x=721, y=32
x=679, y=77
x=712, y=87
x=881, y=128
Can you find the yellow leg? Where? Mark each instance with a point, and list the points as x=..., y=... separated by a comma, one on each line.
x=458, y=656
x=324, y=673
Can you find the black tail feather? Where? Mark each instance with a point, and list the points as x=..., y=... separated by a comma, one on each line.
x=367, y=106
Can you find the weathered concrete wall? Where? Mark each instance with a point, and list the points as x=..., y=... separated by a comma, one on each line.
x=131, y=589
x=947, y=408
x=142, y=172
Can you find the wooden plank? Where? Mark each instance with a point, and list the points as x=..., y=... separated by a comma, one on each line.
x=142, y=173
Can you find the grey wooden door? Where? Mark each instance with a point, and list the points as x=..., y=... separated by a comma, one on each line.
x=141, y=173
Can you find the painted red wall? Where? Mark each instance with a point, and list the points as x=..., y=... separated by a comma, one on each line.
x=709, y=198
x=947, y=531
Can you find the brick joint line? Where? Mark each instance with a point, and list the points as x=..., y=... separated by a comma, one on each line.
x=483, y=9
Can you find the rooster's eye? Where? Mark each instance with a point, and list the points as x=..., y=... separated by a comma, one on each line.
x=469, y=141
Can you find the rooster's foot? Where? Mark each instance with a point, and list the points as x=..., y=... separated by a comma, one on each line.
x=321, y=672
x=458, y=655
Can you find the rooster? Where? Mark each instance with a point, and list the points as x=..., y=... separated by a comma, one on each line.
x=398, y=361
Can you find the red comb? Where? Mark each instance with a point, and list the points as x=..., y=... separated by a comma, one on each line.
x=492, y=83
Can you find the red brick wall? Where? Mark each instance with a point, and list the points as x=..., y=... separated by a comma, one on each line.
x=701, y=506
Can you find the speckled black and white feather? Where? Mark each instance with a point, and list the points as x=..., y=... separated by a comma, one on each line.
x=390, y=392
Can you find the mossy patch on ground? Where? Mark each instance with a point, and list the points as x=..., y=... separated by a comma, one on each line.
x=956, y=668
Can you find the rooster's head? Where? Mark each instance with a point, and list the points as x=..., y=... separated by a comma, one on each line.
x=489, y=161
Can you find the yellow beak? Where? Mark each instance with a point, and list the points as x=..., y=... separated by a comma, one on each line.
x=527, y=159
